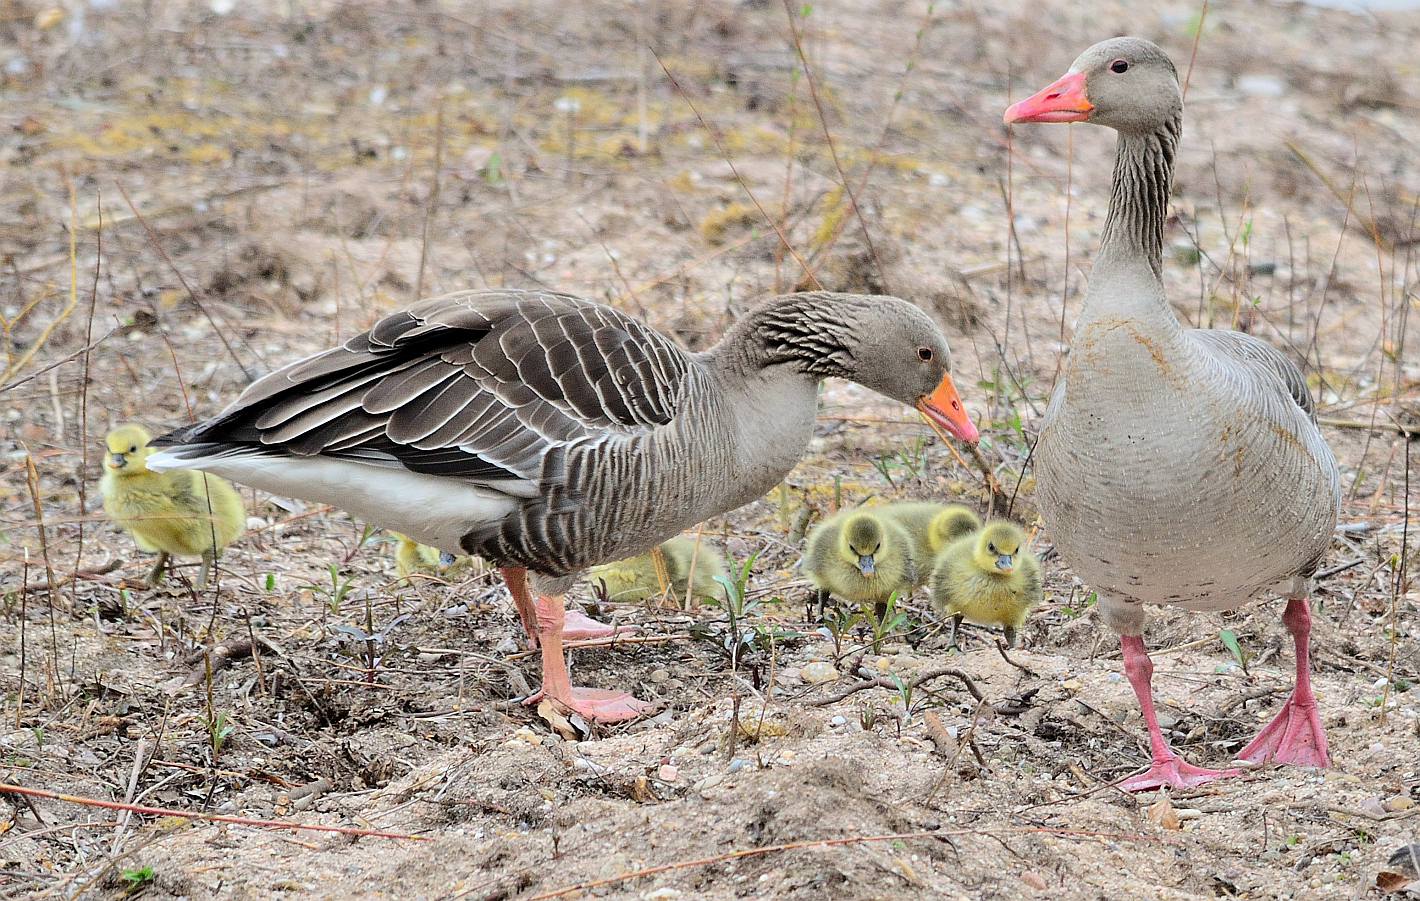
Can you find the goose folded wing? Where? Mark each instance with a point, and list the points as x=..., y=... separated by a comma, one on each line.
x=477, y=385
x=1261, y=360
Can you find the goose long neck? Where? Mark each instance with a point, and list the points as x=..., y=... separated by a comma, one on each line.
x=798, y=331
x=1128, y=277
x=1139, y=203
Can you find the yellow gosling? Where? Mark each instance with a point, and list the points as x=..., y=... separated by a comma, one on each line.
x=637, y=579
x=860, y=556
x=931, y=527
x=181, y=512
x=413, y=558
x=990, y=578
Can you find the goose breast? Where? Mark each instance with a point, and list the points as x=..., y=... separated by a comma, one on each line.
x=1185, y=468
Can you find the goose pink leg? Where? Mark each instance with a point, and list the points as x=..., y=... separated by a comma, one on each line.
x=1295, y=734
x=1167, y=768
x=577, y=626
x=545, y=620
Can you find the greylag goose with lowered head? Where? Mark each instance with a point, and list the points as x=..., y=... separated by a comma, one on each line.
x=548, y=434
x=1175, y=466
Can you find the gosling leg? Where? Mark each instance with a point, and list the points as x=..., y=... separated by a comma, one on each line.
x=209, y=560
x=155, y=574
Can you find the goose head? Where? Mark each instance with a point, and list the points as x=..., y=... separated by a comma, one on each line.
x=127, y=448
x=997, y=548
x=1126, y=83
x=862, y=542
x=883, y=343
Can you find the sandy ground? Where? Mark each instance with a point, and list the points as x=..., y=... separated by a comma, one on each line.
x=249, y=183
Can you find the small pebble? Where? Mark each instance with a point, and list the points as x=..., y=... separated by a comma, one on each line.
x=709, y=782
x=736, y=765
x=659, y=675
x=1072, y=685
x=1034, y=880
x=818, y=671
x=1374, y=807
x=1400, y=802
x=663, y=894
x=667, y=773
x=838, y=722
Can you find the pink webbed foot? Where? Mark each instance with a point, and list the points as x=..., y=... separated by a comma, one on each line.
x=597, y=704
x=1175, y=772
x=1293, y=736
x=578, y=627
x=1167, y=767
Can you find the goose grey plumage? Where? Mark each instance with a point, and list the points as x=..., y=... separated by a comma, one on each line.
x=547, y=433
x=1175, y=466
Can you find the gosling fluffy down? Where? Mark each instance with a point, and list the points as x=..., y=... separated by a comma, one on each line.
x=931, y=526
x=181, y=512
x=989, y=577
x=636, y=578
x=860, y=556
x=411, y=557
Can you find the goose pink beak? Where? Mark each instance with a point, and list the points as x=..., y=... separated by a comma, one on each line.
x=943, y=407
x=1062, y=101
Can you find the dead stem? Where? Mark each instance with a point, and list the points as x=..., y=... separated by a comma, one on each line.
x=720, y=146
x=6, y=787
x=192, y=295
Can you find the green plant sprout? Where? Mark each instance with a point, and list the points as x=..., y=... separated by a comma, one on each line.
x=882, y=627
x=1230, y=641
x=335, y=594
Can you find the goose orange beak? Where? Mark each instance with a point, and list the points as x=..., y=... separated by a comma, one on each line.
x=1062, y=101
x=943, y=407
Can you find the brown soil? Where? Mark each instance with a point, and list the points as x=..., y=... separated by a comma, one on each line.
x=300, y=169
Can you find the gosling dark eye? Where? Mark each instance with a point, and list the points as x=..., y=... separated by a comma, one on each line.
x=133, y=448
x=1119, y=65
x=991, y=548
x=924, y=354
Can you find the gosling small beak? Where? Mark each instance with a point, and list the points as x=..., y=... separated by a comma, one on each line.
x=865, y=565
x=1063, y=101
x=1003, y=562
x=943, y=407
x=446, y=560
x=117, y=461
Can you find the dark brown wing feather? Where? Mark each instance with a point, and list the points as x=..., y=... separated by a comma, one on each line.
x=476, y=384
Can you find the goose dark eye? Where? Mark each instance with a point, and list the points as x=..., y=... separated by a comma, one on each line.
x=924, y=354
x=1119, y=65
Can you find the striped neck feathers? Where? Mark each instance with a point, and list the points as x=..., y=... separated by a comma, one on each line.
x=813, y=333
x=1139, y=201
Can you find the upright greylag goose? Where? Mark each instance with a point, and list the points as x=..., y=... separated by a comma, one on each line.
x=1175, y=466
x=547, y=433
